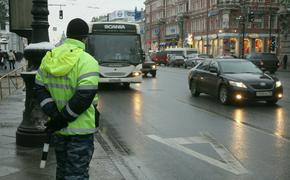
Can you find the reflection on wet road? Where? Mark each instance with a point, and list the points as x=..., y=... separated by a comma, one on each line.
x=256, y=134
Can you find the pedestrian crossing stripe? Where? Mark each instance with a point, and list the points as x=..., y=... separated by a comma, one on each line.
x=229, y=163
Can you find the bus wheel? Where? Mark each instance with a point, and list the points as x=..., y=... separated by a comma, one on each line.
x=153, y=74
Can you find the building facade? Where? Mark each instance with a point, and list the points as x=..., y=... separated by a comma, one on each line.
x=214, y=27
x=133, y=16
x=9, y=40
x=122, y=15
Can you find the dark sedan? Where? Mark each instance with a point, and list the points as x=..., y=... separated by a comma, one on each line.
x=149, y=66
x=234, y=80
x=265, y=61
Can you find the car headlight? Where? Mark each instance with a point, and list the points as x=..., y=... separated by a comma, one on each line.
x=153, y=66
x=237, y=84
x=278, y=84
x=136, y=73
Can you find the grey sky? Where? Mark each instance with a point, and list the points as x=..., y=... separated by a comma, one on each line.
x=85, y=9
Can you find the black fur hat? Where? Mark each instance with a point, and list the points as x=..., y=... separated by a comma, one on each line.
x=77, y=28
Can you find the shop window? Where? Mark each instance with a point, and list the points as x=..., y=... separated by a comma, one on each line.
x=258, y=45
x=246, y=46
x=233, y=46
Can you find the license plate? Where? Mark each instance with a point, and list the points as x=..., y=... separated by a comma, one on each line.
x=114, y=80
x=265, y=93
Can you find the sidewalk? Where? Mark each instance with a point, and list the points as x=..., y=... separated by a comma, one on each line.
x=20, y=163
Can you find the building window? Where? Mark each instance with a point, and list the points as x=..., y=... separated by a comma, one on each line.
x=274, y=22
x=258, y=24
x=258, y=45
x=2, y=26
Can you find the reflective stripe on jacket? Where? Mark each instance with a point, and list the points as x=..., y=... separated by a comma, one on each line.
x=65, y=70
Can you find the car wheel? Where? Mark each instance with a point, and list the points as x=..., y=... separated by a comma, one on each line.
x=272, y=102
x=223, y=95
x=153, y=74
x=193, y=89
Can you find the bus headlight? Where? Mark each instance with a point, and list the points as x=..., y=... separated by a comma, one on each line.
x=136, y=73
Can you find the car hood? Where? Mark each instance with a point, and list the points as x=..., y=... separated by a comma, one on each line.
x=249, y=77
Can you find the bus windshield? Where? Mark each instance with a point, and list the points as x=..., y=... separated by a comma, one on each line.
x=115, y=48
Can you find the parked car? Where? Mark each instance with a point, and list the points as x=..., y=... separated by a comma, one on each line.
x=226, y=57
x=192, y=61
x=175, y=60
x=185, y=52
x=234, y=80
x=205, y=56
x=265, y=61
x=160, y=57
x=149, y=66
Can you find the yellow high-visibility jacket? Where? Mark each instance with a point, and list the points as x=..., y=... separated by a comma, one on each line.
x=67, y=84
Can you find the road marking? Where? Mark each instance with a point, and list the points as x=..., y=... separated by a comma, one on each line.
x=229, y=162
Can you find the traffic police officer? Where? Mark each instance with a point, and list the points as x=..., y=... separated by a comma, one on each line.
x=66, y=85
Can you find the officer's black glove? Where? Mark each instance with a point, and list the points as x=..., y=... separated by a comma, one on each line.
x=56, y=124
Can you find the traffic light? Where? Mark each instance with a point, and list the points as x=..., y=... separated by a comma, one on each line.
x=273, y=43
x=251, y=17
x=60, y=14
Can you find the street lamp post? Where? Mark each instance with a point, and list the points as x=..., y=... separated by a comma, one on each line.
x=270, y=30
x=161, y=22
x=207, y=27
x=30, y=132
x=181, y=29
x=242, y=21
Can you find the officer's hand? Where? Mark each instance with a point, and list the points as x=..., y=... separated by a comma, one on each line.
x=55, y=124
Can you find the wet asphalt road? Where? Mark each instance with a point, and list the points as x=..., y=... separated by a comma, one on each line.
x=163, y=133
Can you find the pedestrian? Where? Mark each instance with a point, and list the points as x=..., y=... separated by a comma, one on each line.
x=66, y=85
x=285, y=59
x=11, y=60
x=1, y=60
x=19, y=56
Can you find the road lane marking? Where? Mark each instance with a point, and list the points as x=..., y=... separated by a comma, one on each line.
x=230, y=163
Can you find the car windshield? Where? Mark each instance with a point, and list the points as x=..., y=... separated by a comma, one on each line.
x=238, y=67
x=115, y=48
x=191, y=53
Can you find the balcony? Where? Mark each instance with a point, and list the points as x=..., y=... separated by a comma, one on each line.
x=229, y=4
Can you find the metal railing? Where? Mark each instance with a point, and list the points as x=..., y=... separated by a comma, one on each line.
x=11, y=81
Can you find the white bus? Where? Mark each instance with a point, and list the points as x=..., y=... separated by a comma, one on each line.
x=185, y=52
x=117, y=47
